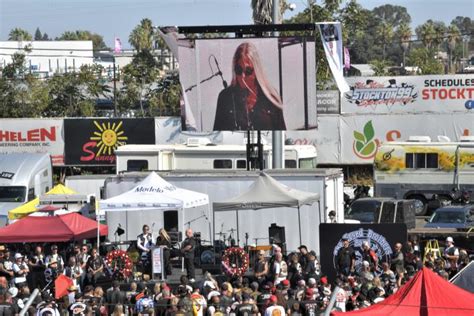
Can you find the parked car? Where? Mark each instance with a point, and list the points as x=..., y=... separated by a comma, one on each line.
x=382, y=210
x=453, y=216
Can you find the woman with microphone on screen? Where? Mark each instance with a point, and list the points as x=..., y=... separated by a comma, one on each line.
x=250, y=102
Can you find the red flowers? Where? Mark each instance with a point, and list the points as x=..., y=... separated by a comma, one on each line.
x=119, y=262
x=232, y=258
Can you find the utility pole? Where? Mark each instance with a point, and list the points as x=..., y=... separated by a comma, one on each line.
x=277, y=136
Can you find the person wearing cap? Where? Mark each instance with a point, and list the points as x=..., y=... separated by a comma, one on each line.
x=309, y=305
x=55, y=256
x=20, y=270
x=345, y=258
x=261, y=267
x=366, y=273
x=451, y=254
x=274, y=308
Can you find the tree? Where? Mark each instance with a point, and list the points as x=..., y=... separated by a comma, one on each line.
x=142, y=36
x=385, y=35
x=18, y=34
x=453, y=36
x=427, y=34
x=81, y=35
x=45, y=37
x=262, y=11
x=424, y=58
x=404, y=35
x=38, y=35
x=379, y=67
x=392, y=14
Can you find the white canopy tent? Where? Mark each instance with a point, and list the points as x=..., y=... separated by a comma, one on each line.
x=267, y=192
x=156, y=195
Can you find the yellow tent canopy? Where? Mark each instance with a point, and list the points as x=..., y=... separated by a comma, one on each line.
x=31, y=206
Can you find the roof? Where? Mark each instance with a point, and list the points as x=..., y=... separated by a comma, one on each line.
x=425, y=294
x=267, y=192
x=61, y=228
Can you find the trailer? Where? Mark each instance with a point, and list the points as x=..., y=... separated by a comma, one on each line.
x=199, y=153
x=424, y=170
x=254, y=225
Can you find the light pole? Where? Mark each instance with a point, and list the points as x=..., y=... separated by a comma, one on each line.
x=277, y=136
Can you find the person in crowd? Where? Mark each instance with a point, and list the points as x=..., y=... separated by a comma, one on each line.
x=261, y=269
x=345, y=258
x=144, y=245
x=6, y=265
x=303, y=256
x=312, y=269
x=20, y=270
x=187, y=248
x=274, y=309
x=451, y=254
x=37, y=265
x=369, y=255
x=164, y=240
x=398, y=263
x=250, y=102
x=57, y=257
x=94, y=267
x=280, y=269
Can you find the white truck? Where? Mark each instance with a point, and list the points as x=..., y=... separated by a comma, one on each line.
x=23, y=177
x=196, y=155
x=429, y=171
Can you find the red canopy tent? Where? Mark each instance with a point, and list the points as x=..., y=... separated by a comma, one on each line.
x=60, y=228
x=425, y=294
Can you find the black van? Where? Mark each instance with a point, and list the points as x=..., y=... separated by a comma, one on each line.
x=382, y=210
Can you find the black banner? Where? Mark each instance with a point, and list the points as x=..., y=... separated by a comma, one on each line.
x=382, y=238
x=93, y=141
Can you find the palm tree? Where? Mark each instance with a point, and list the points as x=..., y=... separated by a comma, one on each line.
x=18, y=34
x=404, y=34
x=453, y=36
x=385, y=33
x=142, y=36
x=262, y=11
x=427, y=33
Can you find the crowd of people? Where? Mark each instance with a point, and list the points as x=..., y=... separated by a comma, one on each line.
x=276, y=284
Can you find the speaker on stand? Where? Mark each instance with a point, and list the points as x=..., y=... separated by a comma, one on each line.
x=277, y=236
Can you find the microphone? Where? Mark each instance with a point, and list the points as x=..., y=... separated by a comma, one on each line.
x=219, y=72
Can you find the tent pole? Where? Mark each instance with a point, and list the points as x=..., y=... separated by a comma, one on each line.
x=299, y=224
x=319, y=209
x=237, y=215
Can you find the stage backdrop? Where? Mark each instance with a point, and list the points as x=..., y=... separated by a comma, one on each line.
x=288, y=64
x=93, y=141
x=382, y=238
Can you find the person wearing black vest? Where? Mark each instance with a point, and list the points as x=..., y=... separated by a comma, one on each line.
x=187, y=249
x=144, y=244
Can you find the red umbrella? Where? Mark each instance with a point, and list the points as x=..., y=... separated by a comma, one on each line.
x=48, y=208
x=61, y=285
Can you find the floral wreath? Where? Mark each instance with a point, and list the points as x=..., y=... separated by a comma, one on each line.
x=231, y=259
x=119, y=263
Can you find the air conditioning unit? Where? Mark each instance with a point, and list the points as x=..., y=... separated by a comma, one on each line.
x=419, y=139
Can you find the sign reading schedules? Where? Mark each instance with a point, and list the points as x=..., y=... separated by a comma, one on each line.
x=93, y=141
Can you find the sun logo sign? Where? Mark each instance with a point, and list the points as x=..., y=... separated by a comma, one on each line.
x=108, y=137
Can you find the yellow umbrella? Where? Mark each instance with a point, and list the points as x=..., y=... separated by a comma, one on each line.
x=31, y=206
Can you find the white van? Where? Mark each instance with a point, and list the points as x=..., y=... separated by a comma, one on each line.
x=23, y=177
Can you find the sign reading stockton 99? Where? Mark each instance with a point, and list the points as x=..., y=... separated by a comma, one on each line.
x=93, y=141
x=381, y=238
x=248, y=84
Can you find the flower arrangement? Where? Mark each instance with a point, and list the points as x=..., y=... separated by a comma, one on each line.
x=235, y=261
x=120, y=263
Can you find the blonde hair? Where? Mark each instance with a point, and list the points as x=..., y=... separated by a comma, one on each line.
x=250, y=51
x=163, y=233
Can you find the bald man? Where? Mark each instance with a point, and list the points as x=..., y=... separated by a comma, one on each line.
x=187, y=248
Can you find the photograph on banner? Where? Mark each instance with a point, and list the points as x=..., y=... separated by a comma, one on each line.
x=248, y=84
x=93, y=141
x=33, y=136
x=409, y=94
x=381, y=239
x=361, y=135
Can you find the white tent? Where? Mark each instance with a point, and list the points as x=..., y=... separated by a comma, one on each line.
x=151, y=197
x=267, y=192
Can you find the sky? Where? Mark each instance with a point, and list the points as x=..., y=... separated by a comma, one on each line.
x=112, y=18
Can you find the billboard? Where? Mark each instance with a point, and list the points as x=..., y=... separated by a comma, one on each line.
x=93, y=141
x=248, y=84
x=409, y=94
x=33, y=136
x=381, y=237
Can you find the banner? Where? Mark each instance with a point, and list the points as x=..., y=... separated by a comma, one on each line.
x=248, y=84
x=93, y=141
x=331, y=37
x=328, y=101
x=381, y=237
x=33, y=136
x=409, y=94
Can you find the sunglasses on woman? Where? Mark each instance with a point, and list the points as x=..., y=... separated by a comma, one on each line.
x=239, y=70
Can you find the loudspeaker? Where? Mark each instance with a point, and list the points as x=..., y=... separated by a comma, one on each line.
x=276, y=235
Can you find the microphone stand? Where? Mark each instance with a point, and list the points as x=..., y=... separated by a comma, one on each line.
x=202, y=81
x=194, y=219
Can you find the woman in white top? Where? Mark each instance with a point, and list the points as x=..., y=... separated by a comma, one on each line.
x=20, y=269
